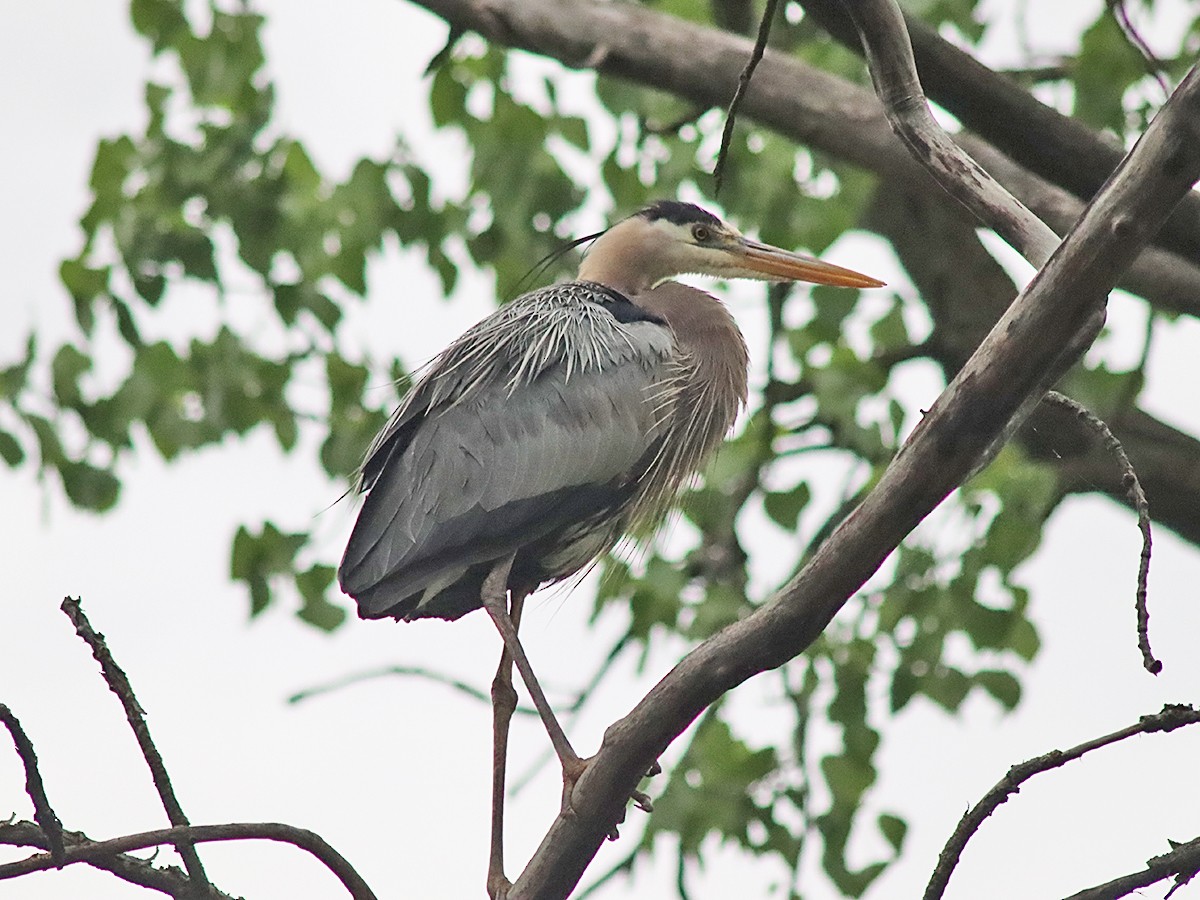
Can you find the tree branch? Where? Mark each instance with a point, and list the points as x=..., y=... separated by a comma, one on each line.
x=1061, y=149
x=142, y=872
x=45, y=816
x=1137, y=500
x=966, y=292
x=894, y=73
x=94, y=851
x=1183, y=862
x=796, y=100
x=1169, y=719
x=118, y=683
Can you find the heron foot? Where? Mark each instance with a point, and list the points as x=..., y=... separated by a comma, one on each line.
x=498, y=885
x=574, y=768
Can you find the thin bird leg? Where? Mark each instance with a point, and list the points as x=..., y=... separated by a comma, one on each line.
x=493, y=597
x=504, y=702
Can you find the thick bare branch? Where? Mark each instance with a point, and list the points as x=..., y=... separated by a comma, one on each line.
x=966, y=292
x=801, y=102
x=1169, y=719
x=894, y=73
x=1061, y=149
x=308, y=841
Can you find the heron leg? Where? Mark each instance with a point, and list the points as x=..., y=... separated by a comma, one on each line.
x=493, y=597
x=504, y=702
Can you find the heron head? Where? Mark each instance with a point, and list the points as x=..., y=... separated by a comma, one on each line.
x=670, y=238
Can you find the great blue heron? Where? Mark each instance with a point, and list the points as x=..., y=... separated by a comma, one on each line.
x=547, y=431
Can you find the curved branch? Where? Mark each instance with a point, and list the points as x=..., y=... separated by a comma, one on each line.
x=894, y=73
x=95, y=851
x=1137, y=499
x=1043, y=140
x=1169, y=719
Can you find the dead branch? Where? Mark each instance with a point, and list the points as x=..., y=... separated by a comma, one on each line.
x=308, y=841
x=1137, y=499
x=1169, y=719
x=43, y=814
x=142, y=872
x=760, y=46
x=1183, y=861
x=118, y=683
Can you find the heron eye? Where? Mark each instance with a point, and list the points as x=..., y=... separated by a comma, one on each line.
x=701, y=233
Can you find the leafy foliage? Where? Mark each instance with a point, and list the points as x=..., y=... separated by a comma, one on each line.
x=212, y=192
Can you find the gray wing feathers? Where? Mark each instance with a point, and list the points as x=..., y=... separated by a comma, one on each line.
x=554, y=413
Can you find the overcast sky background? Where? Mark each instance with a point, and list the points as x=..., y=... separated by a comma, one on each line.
x=395, y=773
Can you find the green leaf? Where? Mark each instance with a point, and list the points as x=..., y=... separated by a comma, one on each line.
x=84, y=285
x=893, y=829
x=785, y=507
x=1108, y=64
x=89, y=487
x=1003, y=686
x=256, y=558
x=313, y=585
x=69, y=363
x=162, y=21
x=10, y=449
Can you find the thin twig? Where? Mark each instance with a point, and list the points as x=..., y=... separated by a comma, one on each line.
x=625, y=865
x=760, y=46
x=118, y=683
x=1154, y=65
x=1172, y=717
x=43, y=814
x=1137, y=499
x=306, y=840
x=404, y=671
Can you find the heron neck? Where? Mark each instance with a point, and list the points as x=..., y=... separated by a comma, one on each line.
x=622, y=260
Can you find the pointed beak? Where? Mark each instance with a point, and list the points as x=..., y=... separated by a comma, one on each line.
x=755, y=260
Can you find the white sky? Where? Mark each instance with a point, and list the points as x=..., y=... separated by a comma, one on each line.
x=395, y=773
